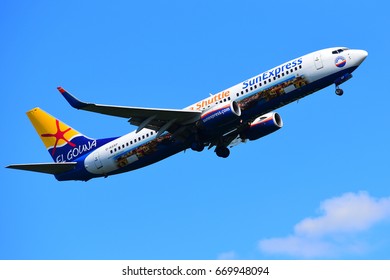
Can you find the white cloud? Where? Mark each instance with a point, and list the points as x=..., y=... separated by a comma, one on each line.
x=296, y=246
x=231, y=255
x=348, y=213
x=331, y=233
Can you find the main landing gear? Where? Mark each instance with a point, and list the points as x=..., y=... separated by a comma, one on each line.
x=222, y=152
x=197, y=146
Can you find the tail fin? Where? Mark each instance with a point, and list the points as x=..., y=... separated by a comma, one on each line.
x=62, y=142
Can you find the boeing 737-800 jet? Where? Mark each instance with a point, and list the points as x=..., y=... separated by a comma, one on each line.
x=237, y=114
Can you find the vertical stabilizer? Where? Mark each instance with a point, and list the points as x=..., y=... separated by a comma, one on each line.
x=62, y=141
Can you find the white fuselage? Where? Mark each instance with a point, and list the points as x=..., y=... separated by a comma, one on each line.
x=313, y=67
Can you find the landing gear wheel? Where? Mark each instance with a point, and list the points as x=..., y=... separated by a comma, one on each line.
x=339, y=91
x=197, y=147
x=222, y=152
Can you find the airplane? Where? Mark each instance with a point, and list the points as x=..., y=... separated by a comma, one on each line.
x=235, y=115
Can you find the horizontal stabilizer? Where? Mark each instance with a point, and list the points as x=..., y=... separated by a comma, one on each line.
x=49, y=168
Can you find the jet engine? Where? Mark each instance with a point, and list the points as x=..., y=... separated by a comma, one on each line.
x=219, y=116
x=262, y=126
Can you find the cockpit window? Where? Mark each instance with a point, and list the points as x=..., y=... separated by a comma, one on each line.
x=339, y=50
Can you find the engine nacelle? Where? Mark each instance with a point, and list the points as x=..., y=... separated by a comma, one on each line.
x=263, y=126
x=219, y=116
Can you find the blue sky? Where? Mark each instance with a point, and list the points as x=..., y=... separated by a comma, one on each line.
x=317, y=189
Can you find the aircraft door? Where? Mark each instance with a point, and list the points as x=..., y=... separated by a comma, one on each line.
x=318, y=61
x=98, y=162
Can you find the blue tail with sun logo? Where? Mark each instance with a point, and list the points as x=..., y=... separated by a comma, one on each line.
x=64, y=143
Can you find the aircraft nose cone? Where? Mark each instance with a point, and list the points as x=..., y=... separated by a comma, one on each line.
x=361, y=55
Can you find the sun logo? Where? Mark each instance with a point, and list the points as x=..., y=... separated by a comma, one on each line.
x=340, y=61
x=59, y=135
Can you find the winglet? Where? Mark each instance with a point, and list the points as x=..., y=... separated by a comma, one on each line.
x=73, y=101
x=60, y=89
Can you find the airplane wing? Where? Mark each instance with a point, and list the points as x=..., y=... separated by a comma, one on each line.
x=156, y=119
x=49, y=168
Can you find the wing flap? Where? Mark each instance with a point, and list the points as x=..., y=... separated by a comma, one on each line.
x=48, y=168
